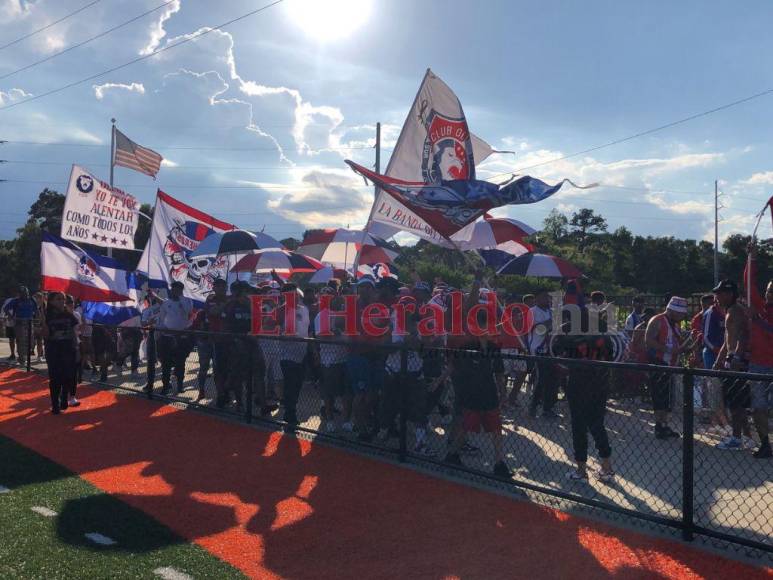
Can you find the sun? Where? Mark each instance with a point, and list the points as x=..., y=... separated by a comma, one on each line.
x=329, y=20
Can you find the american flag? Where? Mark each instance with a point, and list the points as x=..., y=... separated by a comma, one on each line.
x=129, y=154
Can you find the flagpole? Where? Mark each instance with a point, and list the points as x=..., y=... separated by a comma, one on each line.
x=748, y=280
x=356, y=263
x=112, y=165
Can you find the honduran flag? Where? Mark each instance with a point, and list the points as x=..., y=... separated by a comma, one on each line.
x=66, y=268
x=118, y=313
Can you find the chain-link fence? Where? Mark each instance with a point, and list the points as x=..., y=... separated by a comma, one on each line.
x=639, y=440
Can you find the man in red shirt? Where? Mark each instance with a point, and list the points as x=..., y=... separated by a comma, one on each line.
x=761, y=354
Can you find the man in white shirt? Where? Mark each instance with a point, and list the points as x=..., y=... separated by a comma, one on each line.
x=293, y=353
x=546, y=389
x=173, y=348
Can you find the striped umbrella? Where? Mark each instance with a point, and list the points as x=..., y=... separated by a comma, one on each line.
x=489, y=233
x=540, y=266
x=283, y=261
x=338, y=247
x=234, y=242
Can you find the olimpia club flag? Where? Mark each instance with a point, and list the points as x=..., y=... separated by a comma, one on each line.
x=97, y=214
x=448, y=206
x=177, y=230
x=66, y=268
x=434, y=145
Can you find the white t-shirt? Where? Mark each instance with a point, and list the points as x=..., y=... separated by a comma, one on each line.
x=175, y=314
x=296, y=351
x=329, y=354
x=414, y=362
x=543, y=325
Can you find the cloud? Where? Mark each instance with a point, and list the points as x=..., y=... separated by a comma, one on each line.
x=157, y=31
x=13, y=9
x=762, y=178
x=13, y=95
x=324, y=197
x=683, y=207
x=100, y=90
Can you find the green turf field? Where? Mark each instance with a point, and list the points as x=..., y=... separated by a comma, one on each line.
x=55, y=546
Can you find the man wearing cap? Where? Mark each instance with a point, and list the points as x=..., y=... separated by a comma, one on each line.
x=664, y=345
x=734, y=356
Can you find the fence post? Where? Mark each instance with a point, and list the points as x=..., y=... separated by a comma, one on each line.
x=403, y=404
x=250, y=376
x=30, y=344
x=688, y=456
x=151, y=361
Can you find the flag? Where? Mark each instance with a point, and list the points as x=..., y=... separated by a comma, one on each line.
x=97, y=214
x=177, y=230
x=125, y=313
x=448, y=206
x=129, y=154
x=66, y=268
x=435, y=146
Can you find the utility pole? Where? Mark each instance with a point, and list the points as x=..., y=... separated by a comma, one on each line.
x=378, y=147
x=716, y=232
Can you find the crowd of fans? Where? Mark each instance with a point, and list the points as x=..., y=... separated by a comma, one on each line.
x=361, y=384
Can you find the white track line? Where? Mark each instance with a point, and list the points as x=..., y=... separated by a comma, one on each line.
x=169, y=573
x=44, y=511
x=98, y=538
x=4, y=489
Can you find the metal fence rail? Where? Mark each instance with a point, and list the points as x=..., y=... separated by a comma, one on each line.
x=684, y=482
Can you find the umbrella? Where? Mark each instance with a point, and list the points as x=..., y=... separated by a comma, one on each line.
x=234, y=242
x=328, y=273
x=501, y=254
x=274, y=259
x=338, y=247
x=490, y=233
x=541, y=266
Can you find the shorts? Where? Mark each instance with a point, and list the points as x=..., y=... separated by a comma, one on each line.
x=709, y=358
x=761, y=391
x=660, y=390
x=365, y=374
x=10, y=333
x=334, y=382
x=488, y=421
x=737, y=394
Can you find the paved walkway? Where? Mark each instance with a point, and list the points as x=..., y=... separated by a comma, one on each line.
x=733, y=491
x=277, y=506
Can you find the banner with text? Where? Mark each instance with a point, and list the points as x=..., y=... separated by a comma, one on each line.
x=95, y=213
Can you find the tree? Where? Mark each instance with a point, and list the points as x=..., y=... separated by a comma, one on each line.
x=555, y=226
x=47, y=211
x=585, y=223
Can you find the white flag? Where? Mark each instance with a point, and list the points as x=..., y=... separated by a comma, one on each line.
x=95, y=213
x=434, y=144
x=178, y=229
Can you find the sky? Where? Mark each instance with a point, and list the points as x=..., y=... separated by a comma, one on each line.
x=255, y=120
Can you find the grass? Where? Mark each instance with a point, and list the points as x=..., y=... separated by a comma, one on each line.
x=36, y=546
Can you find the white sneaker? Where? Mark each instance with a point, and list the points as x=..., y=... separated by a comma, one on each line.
x=347, y=427
x=330, y=426
x=73, y=402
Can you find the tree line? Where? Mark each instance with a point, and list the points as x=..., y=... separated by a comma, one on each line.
x=618, y=262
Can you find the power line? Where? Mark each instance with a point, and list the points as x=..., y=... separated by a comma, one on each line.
x=62, y=19
x=185, y=40
x=74, y=46
x=642, y=133
x=170, y=148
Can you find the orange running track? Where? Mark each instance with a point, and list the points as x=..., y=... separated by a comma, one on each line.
x=276, y=506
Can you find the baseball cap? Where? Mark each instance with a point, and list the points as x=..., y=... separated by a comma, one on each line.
x=422, y=287
x=726, y=286
x=677, y=304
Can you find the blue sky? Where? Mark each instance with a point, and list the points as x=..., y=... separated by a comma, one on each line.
x=255, y=120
